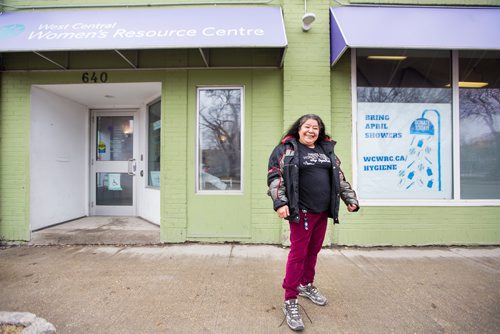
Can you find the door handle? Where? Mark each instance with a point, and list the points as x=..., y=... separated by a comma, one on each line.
x=132, y=166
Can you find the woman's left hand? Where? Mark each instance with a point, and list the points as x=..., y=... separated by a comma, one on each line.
x=352, y=207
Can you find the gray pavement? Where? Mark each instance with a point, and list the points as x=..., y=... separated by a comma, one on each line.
x=99, y=230
x=196, y=288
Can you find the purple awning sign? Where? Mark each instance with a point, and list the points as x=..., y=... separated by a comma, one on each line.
x=158, y=28
x=447, y=28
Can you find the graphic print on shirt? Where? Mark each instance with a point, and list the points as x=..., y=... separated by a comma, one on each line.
x=315, y=181
x=313, y=158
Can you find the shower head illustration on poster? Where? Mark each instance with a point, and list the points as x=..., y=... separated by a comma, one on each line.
x=404, y=151
x=423, y=167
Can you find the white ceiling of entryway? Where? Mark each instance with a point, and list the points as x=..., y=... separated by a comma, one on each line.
x=108, y=95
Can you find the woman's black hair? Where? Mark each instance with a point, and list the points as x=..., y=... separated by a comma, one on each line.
x=293, y=131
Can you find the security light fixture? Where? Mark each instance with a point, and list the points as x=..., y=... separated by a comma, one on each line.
x=307, y=19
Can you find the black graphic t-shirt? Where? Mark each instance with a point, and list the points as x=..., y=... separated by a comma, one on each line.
x=314, y=179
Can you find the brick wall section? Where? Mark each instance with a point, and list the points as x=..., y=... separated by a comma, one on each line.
x=265, y=131
x=174, y=157
x=306, y=84
x=14, y=157
x=306, y=69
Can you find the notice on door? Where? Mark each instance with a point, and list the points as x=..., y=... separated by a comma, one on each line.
x=404, y=151
x=114, y=182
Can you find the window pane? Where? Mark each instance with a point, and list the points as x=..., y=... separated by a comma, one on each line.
x=114, y=189
x=154, y=131
x=219, y=146
x=404, y=124
x=479, y=95
x=115, y=138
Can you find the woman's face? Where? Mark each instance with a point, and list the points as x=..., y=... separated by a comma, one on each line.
x=308, y=132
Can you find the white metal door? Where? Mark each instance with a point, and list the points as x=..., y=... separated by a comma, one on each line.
x=113, y=163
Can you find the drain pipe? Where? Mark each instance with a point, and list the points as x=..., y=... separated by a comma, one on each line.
x=216, y=3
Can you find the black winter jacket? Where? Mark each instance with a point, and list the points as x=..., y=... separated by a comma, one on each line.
x=283, y=179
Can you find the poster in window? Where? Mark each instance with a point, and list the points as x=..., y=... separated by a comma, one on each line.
x=404, y=151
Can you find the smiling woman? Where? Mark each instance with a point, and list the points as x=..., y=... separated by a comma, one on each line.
x=306, y=185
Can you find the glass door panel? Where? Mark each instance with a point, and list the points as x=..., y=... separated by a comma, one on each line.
x=115, y=138
x=114, y=168
x=114, y=189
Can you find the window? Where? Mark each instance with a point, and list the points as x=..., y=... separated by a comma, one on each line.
x=154, y=135
x=479, y=94
x=405, y=121
x=219, y=158
x=404, y=124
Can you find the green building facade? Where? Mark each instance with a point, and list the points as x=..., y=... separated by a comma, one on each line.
x=417, y=134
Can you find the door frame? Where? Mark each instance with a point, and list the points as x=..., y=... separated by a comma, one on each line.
x=101, y=210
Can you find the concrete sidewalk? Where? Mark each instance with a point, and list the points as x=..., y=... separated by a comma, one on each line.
x=197, y=288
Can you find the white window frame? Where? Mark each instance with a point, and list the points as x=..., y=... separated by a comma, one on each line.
x=456, y=201
x=199, y=191
x=146, y=153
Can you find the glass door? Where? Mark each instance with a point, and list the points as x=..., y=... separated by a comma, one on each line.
x=113, y=170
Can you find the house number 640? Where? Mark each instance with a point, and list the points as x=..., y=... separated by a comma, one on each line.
x=94, y=77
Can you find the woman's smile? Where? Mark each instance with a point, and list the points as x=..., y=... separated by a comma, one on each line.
x=308, y=132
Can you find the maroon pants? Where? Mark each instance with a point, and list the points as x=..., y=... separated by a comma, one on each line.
x=304, y=249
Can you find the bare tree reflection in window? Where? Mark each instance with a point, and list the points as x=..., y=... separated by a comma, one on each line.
x=220, y=139
x=480, y=138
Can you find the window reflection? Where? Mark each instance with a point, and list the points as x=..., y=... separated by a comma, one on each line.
x=415, y=77
x=404, y=127
x=479, y=124
x=114, y=189
x=219, y=128
x=154, y=137
x=115, y=138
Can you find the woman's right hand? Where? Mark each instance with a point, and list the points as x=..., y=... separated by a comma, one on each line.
x=283, y=211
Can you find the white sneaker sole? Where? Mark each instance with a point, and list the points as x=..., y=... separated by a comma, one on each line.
x=315, y=302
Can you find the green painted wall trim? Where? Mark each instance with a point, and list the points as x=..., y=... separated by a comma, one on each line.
x=403, y=226
x=173, y=208
x=14, y=157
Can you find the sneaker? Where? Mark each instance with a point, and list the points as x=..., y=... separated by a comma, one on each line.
x=293, y=318
x=311, y=292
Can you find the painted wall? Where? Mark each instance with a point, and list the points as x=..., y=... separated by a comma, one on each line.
x=58, y=159
x=188, y=216
x=278, y=97
x=148, y=198
x=14, y=156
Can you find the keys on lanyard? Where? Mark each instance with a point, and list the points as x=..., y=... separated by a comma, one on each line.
x=306, y=225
